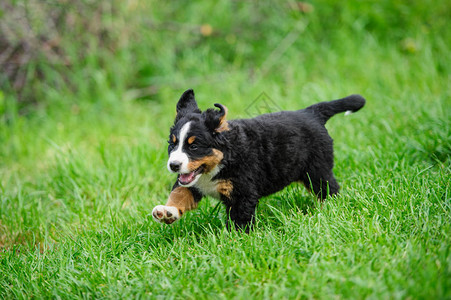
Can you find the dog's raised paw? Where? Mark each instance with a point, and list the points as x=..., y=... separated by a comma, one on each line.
x=165, y=214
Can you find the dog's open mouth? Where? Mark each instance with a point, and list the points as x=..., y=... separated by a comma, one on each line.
x=187, y=178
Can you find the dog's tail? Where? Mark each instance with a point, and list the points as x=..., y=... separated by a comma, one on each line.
x=325, y=110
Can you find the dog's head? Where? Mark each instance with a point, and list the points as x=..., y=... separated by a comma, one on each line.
x=193, y=140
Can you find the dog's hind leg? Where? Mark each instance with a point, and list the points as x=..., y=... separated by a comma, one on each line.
x=322, y=184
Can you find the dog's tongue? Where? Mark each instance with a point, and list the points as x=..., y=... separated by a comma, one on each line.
x=187, y=178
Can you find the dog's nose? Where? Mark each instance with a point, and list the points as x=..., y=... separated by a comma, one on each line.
x=175, y=165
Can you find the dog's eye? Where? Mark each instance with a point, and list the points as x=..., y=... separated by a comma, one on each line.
x=193, y=147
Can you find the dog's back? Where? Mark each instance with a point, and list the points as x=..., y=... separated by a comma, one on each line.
x=288, y=146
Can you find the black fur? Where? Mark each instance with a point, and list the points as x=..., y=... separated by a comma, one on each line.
x=263, y=155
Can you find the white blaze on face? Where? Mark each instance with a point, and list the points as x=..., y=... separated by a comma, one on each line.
x=177, y=155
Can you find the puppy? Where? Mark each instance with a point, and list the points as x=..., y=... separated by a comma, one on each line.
x=240, y=161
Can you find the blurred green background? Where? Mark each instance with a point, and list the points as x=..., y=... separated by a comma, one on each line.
x=87, y=95
x=142, y=50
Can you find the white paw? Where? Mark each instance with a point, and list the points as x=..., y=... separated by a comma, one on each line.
x=165, y=214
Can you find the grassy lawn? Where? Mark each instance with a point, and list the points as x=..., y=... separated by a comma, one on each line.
x=81, y=168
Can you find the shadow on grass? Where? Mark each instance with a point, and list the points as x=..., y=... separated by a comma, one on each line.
x=275, y=210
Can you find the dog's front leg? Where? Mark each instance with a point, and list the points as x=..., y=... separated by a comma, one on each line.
x=180, y=200
x=242, y=214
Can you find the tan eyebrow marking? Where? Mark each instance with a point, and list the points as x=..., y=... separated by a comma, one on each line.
x=191, y=139
x=174, y=139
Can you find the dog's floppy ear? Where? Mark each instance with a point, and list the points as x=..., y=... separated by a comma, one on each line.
x=187, y=103
x=217, y=120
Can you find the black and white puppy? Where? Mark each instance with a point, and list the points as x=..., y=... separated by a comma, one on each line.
x=240, y=161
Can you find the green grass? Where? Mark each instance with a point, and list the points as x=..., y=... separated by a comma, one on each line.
x=81, y=171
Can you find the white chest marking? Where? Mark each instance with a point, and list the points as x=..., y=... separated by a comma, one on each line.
x=207, y=186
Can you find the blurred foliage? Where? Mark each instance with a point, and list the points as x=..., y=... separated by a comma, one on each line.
x=41, y=42
x=135, y=48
